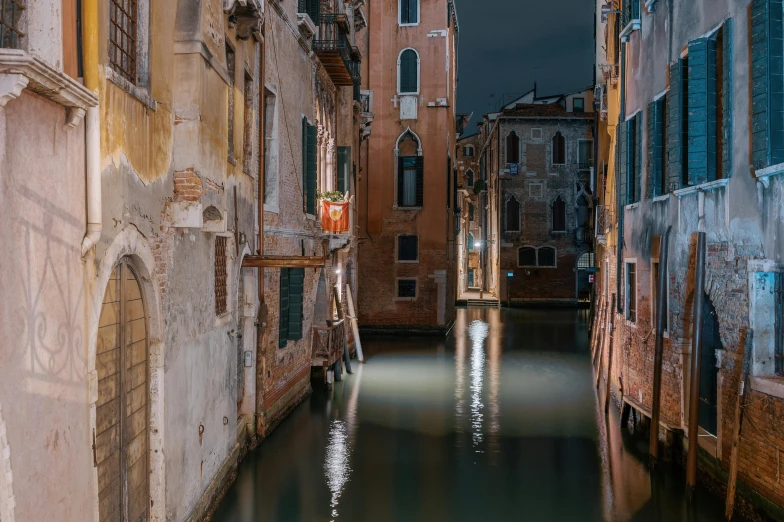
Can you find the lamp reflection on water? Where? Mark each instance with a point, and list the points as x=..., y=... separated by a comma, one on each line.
x=477, y=331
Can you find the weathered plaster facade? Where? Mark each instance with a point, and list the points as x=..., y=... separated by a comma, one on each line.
x=739, y=208
x=413, y=122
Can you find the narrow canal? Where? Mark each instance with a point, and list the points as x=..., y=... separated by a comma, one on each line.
x=498, y=422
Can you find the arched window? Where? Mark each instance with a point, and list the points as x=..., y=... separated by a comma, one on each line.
x=559, y=149
x=408, y=72
x=470, y=212
x=512, y=215
x=409, y=12
x=512, y=148
x=470, y=178
x=470, y=241
x=559, y=215
x=526, y=256
x=585, y=261
x=410, y=171
x=546, y=256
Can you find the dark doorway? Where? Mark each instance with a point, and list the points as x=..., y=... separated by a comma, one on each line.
x=711, y=341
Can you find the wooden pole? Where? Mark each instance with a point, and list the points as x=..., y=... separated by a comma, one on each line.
x=609, y=361
x=661, y=316
x=342, y=316
x=597, y=318
x=597, y=361
x=354, y=325
x=739, y=400
x=696, y=349
x=283, y=261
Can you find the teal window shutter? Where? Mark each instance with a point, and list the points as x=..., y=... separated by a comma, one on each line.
x=767, y=83
x=674, y=129
x=310, y=179
x=283, y=328
x=296, y=292
x=623, y=146
x=631, y=162
x=408, y=72
x=726, y=99
x=684, y=121
x=650, y=120
x=701, y=124
x=637, y=157
x=314, y=11
x=344, y=160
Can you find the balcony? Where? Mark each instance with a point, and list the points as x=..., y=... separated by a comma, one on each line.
x=630, y=18
x=334, y=50
x=603, y=223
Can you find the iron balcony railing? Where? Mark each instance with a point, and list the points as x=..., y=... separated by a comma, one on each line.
x=337, y=54
x=631, y=11
x=603, y=219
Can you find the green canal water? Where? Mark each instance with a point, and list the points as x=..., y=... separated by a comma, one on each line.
x=497, y=422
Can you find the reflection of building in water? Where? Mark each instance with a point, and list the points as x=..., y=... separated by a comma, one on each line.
x=460, y=355
x=494, y=352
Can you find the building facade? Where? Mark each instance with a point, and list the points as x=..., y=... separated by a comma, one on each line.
x=146, y=352
x=538, y=157
x=690, y=144
x=407, y=254
x=468, y=227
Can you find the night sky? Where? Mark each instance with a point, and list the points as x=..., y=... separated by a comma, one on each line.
x=507, y=44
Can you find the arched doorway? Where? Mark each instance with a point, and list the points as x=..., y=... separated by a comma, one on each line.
x=709, y=373
x=122, y=410
x=584, y=285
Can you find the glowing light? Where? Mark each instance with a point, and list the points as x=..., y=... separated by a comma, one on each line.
x=337, y=271
x=336, y=466
x=477, y=331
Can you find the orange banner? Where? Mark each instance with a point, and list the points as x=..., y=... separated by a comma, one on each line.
x=334, y=217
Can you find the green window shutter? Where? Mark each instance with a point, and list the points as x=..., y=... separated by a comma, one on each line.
x=637, y=157
x=408, y=71
x=650, y=119
x=310, y=179
x=701, y=102
x=767, y=83
x=314, y=11
x=296, y=292
x=659, y=184
x=674, y=128
x=726, y=101
x=344, y=159
x=631, y=163
x=623, y=147
x=283, y=328
x=401, y=185
x=420, y=181
x=684, y=121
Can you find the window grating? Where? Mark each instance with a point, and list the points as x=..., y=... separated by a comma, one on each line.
x=406, y=288
x=10, y=23
x=122, y=37
x=221, y=276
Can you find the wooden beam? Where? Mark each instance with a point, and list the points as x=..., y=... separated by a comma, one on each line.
x=283, y=262
x=732, y=482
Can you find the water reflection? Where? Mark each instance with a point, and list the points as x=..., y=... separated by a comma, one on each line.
x=507, y=427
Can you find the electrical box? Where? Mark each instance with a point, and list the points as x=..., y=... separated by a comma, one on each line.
x=248, y=359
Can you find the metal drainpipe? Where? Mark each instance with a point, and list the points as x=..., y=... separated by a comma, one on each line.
x=661, y=311
x=261, y=318
x=92, y=126
x=694, y=385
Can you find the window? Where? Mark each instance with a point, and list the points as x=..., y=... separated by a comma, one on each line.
x=512, y=215
x=312, y=9
x=631, y=292
x=406, y=289
x=630, y=183
x=470, y=178
x=270, y=149
x=585, y=261
x=766, y=76
x=559, y=149
x=408, y=248
x=585, y=154
x=309, y=160
x=559, y=215
x=468, y=152
x=512, y=148
x=72, y=44
x=578, y=105
x=408, y=72
x=221, y=276
x=471, y=242
x=409, y=12
x=542, y=257
x=526, y=256
x=546, y=257
x=10, y=23
x=655, y=274
x=230, y=65
x=410, y=181
x=471, y=212
x=657, y=138
x=292, y=283
x=536, y=134
x=344, y=169
x=123, y=20
x=247, y=135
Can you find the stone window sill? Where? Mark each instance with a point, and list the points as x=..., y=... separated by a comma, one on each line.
x=414, y=209
x=705, y=187
x=632, y=26
x=663, y=197
x=139, y=93
x=773, y=386
x=405, y=299
x=764, y=175
x=19, y=71
x=632, y=206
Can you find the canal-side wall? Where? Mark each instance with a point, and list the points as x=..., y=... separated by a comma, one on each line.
x=740, y=214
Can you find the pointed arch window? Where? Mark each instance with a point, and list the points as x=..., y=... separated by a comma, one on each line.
x=512, y=215
x=408, y=72
x=409, y=12
x=470, y=241
x=559, y=149
x=512, y=148
x=410, y=171
x=470, y=178
x=559, y=215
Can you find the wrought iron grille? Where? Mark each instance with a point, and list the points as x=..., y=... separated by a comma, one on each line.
x=123, y=17
x=221, y=276
x=603, y=219
x=630, y=11
x=10, y=23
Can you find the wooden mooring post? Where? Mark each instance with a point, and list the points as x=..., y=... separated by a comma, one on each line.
x=732, y=481
x=354, y=325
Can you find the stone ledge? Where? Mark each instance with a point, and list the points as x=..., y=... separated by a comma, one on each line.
x=704, y=187
x=773, y=386
x=20, y=70
x=764, y=175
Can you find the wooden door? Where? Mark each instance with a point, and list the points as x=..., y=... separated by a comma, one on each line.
x=122, y=415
